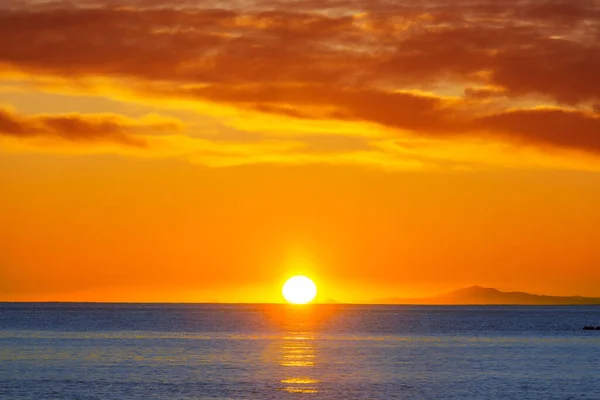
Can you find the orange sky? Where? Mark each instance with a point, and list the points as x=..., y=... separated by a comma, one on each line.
x=166, y=151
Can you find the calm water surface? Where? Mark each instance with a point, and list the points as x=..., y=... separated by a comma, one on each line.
x=125, y=351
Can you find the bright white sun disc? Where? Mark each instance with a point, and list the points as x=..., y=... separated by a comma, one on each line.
x=299, y=290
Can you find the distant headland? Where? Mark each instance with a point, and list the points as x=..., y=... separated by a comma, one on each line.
x=477, y=295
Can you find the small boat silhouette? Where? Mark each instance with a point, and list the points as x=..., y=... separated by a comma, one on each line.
x=591, y=328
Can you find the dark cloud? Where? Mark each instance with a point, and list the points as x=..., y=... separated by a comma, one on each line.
x=551, y=127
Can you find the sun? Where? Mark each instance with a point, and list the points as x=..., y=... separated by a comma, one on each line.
x=299, y=290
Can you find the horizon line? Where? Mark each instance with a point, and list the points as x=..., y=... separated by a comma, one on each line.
x=2, y=302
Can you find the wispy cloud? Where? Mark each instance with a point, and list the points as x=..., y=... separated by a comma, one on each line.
x=84, y=128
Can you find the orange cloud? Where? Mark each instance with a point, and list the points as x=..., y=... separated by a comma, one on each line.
x=83, y=127
x=347, y=61
x=424, y=115
x=386, y=44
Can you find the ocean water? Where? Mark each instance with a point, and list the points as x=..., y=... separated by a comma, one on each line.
x=166, y=351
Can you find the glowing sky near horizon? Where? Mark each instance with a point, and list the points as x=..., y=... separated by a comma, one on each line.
x=185, y=151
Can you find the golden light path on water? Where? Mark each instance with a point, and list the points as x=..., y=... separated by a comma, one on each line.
x=298, y=357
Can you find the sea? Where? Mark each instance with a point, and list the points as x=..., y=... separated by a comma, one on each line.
x=68, y=351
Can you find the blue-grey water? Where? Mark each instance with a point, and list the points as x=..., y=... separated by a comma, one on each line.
x=127, y=351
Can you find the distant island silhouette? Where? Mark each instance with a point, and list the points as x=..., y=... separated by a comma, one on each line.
x=477, y=295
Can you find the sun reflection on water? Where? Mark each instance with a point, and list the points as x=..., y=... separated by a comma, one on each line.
x=298, y=357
